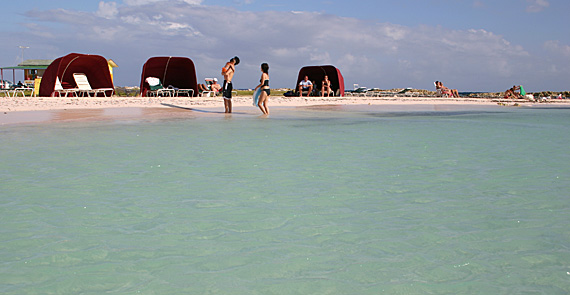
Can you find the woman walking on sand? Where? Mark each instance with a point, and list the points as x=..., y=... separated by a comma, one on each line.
x=265, y=90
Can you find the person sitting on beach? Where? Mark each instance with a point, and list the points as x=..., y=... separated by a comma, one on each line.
x=326, y=88
x=445, y=90
x=442, y=90
x=215, y=86
x=454, y=92
x=305, y=85
x=510, y=93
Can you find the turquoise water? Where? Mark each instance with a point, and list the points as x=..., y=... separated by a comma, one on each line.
x=309, y=201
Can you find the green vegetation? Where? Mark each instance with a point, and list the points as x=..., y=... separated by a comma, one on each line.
x=135, y=91
x=28, y=93
x=127, y=91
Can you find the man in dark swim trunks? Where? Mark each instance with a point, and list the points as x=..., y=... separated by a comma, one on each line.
x=228, y=72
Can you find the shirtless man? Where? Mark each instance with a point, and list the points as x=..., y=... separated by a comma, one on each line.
x=228, y=72
x=215, y=86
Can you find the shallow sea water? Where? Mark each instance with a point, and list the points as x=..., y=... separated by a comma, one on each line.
x=329, y=200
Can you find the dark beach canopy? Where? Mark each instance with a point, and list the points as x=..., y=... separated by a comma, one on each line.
x=176, y=71
x=95, y=67
x=317, y=74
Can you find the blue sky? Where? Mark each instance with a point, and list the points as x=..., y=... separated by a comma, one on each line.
x=472, y=45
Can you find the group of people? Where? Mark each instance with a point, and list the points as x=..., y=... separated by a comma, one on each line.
x=228, y=72
x=446, y=91
x=307, y=85
x=512, y=92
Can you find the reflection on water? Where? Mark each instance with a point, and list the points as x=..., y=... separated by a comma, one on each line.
x=86, y=115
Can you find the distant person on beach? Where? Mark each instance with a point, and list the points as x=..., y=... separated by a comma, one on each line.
x=228, y=72
x=265, y=90
x=454, y=92
x=445, y=90
x=326, y=88
x=215, y=86
x=521, y=91
x=510, y=93
x=305, y=85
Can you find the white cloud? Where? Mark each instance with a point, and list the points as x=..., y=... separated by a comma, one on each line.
x=557, y=48
x=107, y=10
x=537, y=5
x=146, y=2
x=373, y=54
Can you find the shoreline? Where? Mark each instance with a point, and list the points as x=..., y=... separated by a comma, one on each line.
x=34, y=110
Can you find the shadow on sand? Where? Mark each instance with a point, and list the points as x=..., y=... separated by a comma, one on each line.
x=201, y=111
x=191, y=109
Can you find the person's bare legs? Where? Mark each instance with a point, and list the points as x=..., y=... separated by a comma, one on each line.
x=228, y=105
x=327, y=90
x=262, y=104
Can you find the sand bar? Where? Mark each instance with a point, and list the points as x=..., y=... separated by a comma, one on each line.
x=21, y=110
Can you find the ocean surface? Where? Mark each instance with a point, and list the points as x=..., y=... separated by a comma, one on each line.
x=327, y=200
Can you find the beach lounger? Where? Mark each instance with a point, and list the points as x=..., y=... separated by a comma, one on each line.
x=405, y=92
x=357, y=91
x=185, y=92
x=21, y=90
x=208, y=93
x=439, y=92
x=360, y=91
x=85, y=88
x=58, y=89
x=156, y=88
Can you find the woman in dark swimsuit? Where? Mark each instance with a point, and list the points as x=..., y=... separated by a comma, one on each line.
x=265, y=90
x=326, y=87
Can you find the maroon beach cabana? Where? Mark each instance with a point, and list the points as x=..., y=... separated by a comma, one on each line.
x=95, y=67
x=178, y=72
x=317, y=74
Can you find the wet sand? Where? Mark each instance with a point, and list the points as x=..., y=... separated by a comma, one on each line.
x=26, y=110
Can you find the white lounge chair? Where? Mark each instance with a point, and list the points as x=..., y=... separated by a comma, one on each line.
x=21, y=90
x=85, y=88
x=59, y=89
x=208, y=93
x=358, y=91
x=156, y=88
x=439, y=92
x=185, y=92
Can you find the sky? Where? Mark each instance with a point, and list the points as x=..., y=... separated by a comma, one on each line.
x=471, y=45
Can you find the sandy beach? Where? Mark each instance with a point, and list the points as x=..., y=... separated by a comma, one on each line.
x=21, y=110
